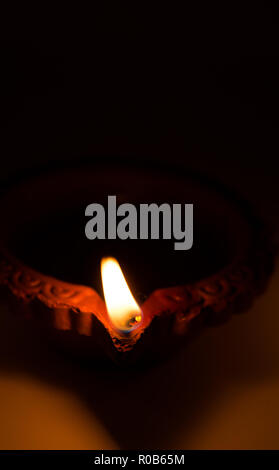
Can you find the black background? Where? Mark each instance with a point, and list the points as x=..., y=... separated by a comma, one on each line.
x=197, y=87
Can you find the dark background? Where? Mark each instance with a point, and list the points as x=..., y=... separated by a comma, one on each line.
x=160, y=87
x=155, y=89
x=201, y=89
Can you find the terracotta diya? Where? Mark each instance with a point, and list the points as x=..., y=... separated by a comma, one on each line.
x=52, y=272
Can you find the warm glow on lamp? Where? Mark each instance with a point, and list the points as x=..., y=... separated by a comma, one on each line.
x=124, y=312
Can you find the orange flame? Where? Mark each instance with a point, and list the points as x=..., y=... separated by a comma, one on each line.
x=123, y=310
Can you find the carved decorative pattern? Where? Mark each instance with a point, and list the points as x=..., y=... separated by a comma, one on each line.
x=77, y=312
x=75, y=306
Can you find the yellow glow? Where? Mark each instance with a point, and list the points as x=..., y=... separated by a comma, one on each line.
x=122, y=308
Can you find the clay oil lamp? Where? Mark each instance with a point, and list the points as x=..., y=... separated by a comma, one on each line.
x=130, y=299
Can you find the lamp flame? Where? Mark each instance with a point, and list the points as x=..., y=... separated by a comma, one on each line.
x=123, y=310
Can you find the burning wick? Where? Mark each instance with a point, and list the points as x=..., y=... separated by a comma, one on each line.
x=123, y=310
